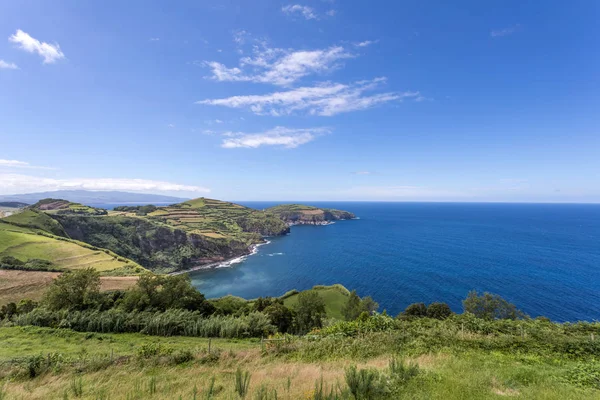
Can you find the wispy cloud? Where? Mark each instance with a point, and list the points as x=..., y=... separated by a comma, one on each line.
x=331, y=13
x=49, y=52
x=19, y=164
x=279, y=136
x=279, y=66
x=326, y=99
x=362, y=173
x=366, y=43
x=239, y=36
x=297, y=9
x=16, y=183
x=505, y=31
x=154, y=39
x=7, y=65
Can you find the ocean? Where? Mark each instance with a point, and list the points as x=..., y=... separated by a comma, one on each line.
x=545, y=258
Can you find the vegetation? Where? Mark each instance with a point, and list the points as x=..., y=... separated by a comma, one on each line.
x=60, y=253
x=302, y=214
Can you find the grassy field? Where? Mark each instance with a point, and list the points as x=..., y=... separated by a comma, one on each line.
x=19, y=285
x=65, y=254
x=105, y=366
x=335, y=297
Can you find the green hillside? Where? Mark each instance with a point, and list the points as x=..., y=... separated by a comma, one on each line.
x=303, y=214
x=26, y=244
x=335, y=298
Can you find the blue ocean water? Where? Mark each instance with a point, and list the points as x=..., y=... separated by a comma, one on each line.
x=545, y=258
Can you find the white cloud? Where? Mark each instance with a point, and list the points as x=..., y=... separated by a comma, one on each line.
x=279, y=136
x=305, y=11
x=278, y=66
x=19, y=164
x=49, y=52
x=505, y=31
x=362, y=173
x=154, y=39
x=331, y=13
x=239, y=36
x=16, y=183
x=7, y=65
x=326, y=99
x=366, y=43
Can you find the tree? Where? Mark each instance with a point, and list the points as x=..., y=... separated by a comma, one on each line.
x=310, y=311
x=490, y=306
x=415, y=310
x=280, y=316
x=439, y=310
x=8, y=310
x=163, y=292
x=352, y=309
x=369, y=305
x=76, y=290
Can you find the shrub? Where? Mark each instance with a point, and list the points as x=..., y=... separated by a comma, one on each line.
x=490, y=306
x=416, y=310
x=439, y=311
x=75, y=290
x=310, y=311
x=365, y=384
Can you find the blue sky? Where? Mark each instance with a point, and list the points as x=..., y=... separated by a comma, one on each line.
x=303, y=100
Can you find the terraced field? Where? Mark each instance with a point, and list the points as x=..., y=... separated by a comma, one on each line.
x=26, y=244
x=219, y=219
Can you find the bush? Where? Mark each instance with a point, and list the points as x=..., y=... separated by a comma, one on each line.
x=75, y=290
x=490, y=306
x=415, y=310
x=310, y=311
x=365, y=384
x=439, y=310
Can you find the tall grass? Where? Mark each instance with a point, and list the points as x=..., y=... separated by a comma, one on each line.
x=169, y=323
x=242, y=382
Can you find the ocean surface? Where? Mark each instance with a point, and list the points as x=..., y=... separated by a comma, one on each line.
x=545, y=258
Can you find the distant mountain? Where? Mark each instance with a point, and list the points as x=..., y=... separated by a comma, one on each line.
x=93, y=197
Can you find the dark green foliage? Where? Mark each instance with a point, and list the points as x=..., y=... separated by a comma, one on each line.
x=369, y=305
x=12, y=261
x=490, y=306
x=8, y=310
x=261, y=303
x=352, y=308
x=280, y=316
x=162, y=292
x=415, y=310
x=310, y=311
x=439, y=311
x=76, y=290
x=230, y=305
x=242, y=382
x=139, y=210
x=33, y=264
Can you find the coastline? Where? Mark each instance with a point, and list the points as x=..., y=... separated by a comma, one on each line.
x=252, y=250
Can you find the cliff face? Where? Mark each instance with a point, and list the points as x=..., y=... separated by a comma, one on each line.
x=155, y=246
x=296, y=214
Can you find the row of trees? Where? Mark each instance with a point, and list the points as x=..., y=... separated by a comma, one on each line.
x=152, y=294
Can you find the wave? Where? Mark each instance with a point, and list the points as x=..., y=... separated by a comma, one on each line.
x=275, y=254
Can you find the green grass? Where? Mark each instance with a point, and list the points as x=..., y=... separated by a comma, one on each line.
x=28, y=341
x=335, y=298
x=26, y=244
x=36, y=220
x=448, y=373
